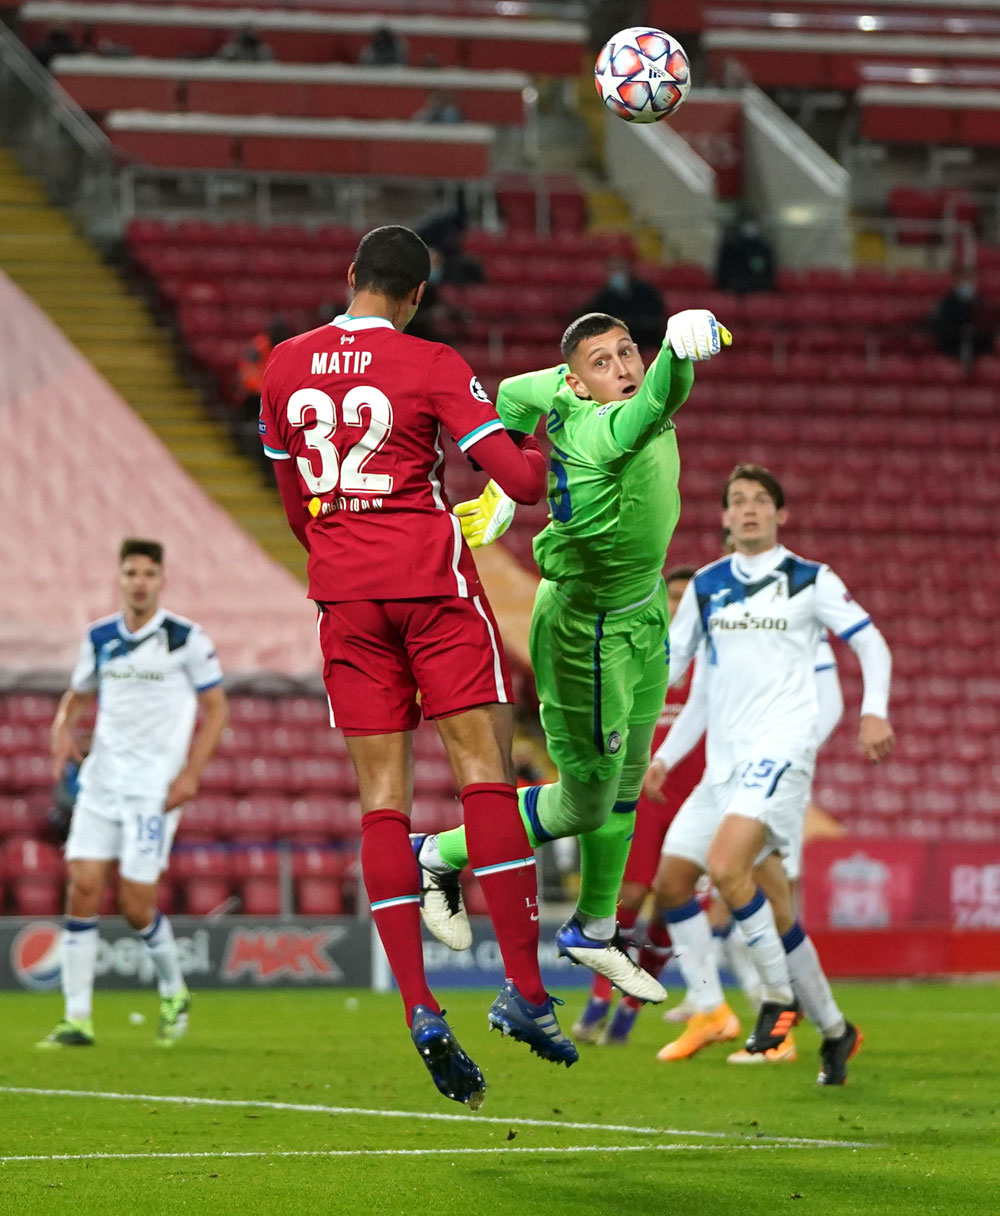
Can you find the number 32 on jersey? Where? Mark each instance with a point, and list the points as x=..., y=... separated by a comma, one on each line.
x=315, y=413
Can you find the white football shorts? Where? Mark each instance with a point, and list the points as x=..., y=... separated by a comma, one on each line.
x=134, y=831
x=775, y=792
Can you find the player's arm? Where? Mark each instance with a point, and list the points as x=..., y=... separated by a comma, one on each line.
x=285, y=472
x=828, y=692
x=460, y=402
x=63, y=743
x=518, y=468
x=682, y=737
x=213, y=709
x=74, y=705
x=290, y=490
x=686, y=634
x=622, y=427
x=838, y=611
x=522, y=401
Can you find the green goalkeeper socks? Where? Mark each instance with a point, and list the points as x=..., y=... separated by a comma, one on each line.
x=603, y=855
x=565, y=808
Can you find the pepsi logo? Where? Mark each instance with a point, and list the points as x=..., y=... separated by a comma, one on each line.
x=36, y=955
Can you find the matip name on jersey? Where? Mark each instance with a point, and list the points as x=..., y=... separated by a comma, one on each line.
x=340, y=362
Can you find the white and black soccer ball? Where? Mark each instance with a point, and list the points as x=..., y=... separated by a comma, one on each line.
x=642, y=74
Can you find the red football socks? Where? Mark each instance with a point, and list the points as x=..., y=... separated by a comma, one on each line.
x=502, y=860
x=392, y=880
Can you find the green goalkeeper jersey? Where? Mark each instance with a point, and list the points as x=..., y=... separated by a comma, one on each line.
x=613, y=474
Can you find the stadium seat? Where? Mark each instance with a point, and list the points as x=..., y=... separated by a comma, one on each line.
x=203, y=895
x=36, y=896
x=319, y=897
x=260, y=896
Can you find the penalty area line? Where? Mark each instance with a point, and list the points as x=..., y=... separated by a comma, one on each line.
x=433, y=1116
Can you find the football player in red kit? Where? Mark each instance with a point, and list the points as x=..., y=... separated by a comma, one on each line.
x=651, y=822
x=351, y=416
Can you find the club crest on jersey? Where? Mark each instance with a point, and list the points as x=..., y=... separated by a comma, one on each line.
x=614, y=742
x=477, y=390
x=346, y=338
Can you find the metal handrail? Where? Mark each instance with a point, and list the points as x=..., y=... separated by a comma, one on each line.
x=16, y=58
x=56, y=142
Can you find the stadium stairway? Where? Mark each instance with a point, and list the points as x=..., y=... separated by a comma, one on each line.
x=67, y=278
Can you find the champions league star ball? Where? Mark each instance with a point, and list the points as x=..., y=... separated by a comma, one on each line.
x=642, y=74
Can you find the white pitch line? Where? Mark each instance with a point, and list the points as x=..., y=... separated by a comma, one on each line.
x=435, y=1116
x=399, y=1152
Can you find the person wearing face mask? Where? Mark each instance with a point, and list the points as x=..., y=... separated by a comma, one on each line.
x=960, y=323
x=745, y=260
x=633, y=300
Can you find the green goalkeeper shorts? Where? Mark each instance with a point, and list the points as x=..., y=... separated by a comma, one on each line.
x=597, y=674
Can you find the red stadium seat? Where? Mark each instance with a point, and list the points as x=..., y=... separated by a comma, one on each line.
x=319, y=897
x=204, y=895
x=260, y=897
x=36, y=896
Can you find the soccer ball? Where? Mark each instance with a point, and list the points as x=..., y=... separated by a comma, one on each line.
x=642, y=74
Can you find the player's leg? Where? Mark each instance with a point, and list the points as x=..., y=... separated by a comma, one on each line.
x=591, y=1026
x=682, y=865
x=147, y=836
x=764, y=795
x=812, y=989
x=465, y=686
x=372, y=694
x=93, y=844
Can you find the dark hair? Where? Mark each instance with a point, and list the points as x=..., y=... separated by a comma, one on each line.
x=134, y=545
x=391, y=261
x=763, y=477
x=679, y=572
x=588, y=326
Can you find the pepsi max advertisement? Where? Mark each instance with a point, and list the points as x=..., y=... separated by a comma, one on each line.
x=242, y=952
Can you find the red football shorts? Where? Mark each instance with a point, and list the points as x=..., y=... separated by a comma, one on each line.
x=379, y=654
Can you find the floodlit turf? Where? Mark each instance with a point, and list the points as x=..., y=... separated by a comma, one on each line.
x=698, y=1138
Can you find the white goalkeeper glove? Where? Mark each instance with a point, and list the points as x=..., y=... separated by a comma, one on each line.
x=695, y=334
x=485, y=518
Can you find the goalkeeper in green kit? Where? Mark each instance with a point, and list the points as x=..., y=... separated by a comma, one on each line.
x=598, y=639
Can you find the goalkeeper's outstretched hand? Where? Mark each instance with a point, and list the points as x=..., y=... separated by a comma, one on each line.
x=695, y=334
x=485, y=518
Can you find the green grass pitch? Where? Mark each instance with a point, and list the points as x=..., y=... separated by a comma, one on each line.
x=323, y=1106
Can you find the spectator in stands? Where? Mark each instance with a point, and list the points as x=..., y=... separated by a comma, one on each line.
x=385, y=50
x=441, y=106
x=57, y=41
x=745, y=260
x=245, y=46
x=961, y=323
x=638, y=303
x=251, y=365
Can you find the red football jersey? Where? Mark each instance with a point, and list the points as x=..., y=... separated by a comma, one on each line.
x=359, y=407
x=681, y=779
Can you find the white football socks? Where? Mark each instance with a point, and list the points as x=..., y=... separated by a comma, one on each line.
x=756, y=922
x=159, y=939
x=811, y=985
x=736, y=957
x=79, y=963
x=691, y=935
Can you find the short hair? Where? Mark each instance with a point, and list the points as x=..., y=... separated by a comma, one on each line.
x=588, y=326
x=391, y=261
x=133, y=546
x=679, y=572
x=763, y=477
